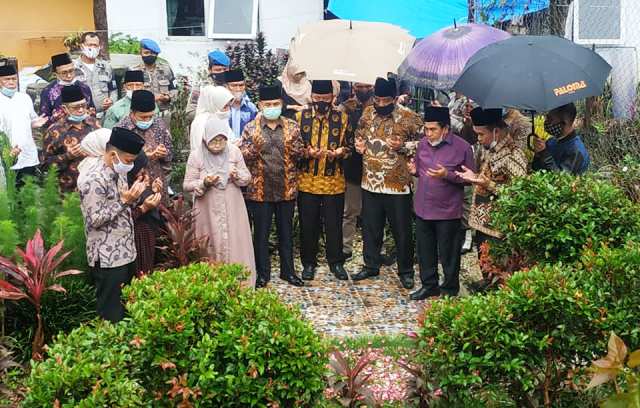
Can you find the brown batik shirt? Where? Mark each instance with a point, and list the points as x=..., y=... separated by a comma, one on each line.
x=384, y=169
x=501, y=165
x=59, y=137
x=272, y=158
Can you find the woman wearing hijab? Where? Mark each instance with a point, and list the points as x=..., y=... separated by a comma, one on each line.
x=214, y=103
x=215, y=173
x=296, y=90
x=146, y=217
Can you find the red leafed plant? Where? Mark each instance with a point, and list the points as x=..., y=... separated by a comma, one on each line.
x=181, y=246
x=497, y=272
x=349, y=383
x=32, y=278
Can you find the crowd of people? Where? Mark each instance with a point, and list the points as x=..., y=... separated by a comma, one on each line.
x=366, y=160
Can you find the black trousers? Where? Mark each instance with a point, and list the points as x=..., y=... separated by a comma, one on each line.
x=313, y=210
x=440, y=242
x=109, y=283
x=262, y=216
x=376, y=209
x=25, y=172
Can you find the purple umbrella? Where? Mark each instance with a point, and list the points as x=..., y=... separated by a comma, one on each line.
x=438, y=60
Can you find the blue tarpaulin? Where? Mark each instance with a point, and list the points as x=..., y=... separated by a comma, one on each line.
x=492, y=11
x=420, y=17
x=424, y=17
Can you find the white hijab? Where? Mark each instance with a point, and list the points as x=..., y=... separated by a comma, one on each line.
x=216, y=164
x=212, y=100
x=298, y=91
x=95, y=145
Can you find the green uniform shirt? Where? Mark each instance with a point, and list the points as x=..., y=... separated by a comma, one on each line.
x=118, y=111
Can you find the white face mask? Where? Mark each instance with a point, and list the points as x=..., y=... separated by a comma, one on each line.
x=91, y=52
x=66, y=83
x=436, y=143
x=238, y=96
x=121, y=168
x=223, y=115
x=129, y=94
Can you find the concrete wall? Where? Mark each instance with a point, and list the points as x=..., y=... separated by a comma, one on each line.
x=623, y=58
x=278, y=20
x=33, y=30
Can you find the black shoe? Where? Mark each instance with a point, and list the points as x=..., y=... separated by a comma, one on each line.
x=261, y=283
x=308, y=272
x=338, y=271
x=424, y=293
x=407, y=282
x=387, y=260
x=364, y=274
x=293, y=280
x=347, y=255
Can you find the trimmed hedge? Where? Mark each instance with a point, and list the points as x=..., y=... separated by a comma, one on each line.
x=193, y=336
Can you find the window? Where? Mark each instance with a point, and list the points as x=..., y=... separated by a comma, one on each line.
x=185, y=17
x=233, y=19
x=598, y=21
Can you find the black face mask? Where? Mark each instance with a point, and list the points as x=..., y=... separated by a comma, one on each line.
x=384, y=110
x=364, y=96
x=149, y=59
x=217, y=79
x=322, y=107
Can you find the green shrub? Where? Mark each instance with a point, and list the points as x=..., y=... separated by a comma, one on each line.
x=123, y=44
x=530, y=335
x=194, y=335
x=549, y=217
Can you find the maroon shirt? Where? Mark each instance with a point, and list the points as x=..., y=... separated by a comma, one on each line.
x=441, y=199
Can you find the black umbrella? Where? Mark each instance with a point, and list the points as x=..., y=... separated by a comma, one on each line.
x=535, y=73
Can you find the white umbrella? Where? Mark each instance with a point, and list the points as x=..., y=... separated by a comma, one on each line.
x=353, y=51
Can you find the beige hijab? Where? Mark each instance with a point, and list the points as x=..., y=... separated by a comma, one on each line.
x=95, y=145
x=298, y=91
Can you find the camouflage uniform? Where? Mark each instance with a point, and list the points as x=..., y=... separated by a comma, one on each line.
x=159, y=80
x=100, y=80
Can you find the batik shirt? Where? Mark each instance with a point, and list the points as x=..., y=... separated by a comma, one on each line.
x=272, y=158
x=51, y=100
x=108, y=223
x=384, y=169
x=156, y=135
x=323, y=176
x=501, y=165
x=59, y=137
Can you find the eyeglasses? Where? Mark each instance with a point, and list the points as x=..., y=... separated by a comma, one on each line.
x=77, y=107
x=67, y=72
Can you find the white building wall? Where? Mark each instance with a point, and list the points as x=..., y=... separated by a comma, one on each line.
x=277, y=19
x=623, y=58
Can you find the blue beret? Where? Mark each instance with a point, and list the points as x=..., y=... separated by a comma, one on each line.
x=150, y=45
x=218, y=57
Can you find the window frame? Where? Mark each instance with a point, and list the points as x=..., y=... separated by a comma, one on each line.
x=599, y=41
x=195, y=38
x=229, y=36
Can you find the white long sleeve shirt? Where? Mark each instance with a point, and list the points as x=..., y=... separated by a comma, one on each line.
x=16, y=115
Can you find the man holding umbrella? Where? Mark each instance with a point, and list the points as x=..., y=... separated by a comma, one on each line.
x=565, y=151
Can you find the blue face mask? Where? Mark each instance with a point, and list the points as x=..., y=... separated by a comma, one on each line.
x=272, y=113
x=77, y=118
x=8, y=92
x=144, y=125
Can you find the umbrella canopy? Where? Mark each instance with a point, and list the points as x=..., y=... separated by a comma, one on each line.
x=353, y=51
x=438, y=60
x=420, y=17
x=537, y=73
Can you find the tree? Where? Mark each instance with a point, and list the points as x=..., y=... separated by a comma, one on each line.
x=101, y=24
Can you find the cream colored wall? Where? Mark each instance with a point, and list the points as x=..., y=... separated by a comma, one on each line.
x=33, y=30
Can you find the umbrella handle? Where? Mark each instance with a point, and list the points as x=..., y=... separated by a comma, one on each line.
x=530, y=139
